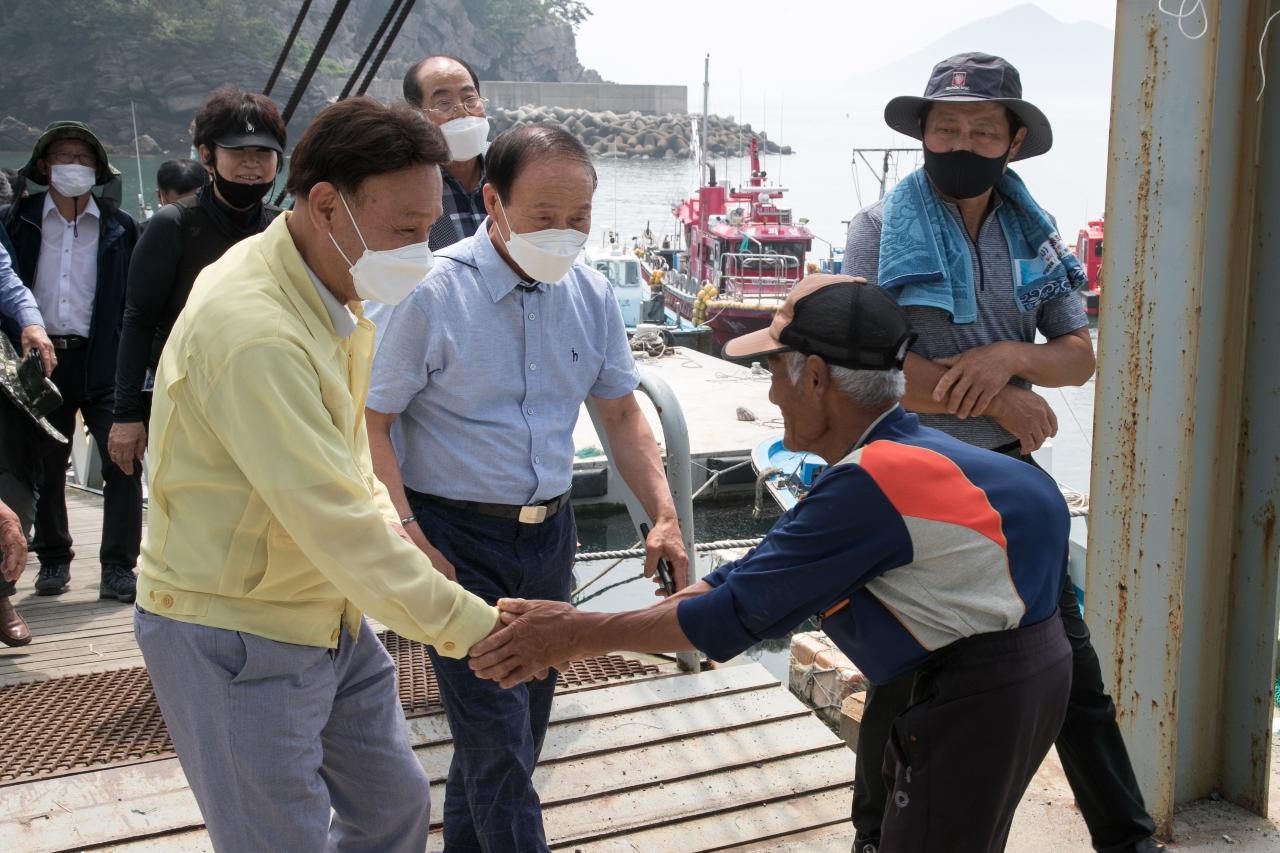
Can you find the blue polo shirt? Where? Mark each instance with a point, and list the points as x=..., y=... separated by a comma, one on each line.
x=487, y=378
x=913, y=541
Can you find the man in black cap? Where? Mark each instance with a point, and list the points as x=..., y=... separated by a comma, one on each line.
x=72, y=248
x=925, y=558
x=979, y=269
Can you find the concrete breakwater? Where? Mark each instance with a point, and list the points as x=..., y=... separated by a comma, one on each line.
x=636, y=135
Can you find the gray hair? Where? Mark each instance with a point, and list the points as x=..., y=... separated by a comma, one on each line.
x=867, y=387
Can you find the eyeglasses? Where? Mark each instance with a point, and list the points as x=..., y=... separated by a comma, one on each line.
x=66, y=158
x=473, y=105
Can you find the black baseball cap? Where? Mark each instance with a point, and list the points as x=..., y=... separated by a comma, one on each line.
x=841, y=319
x=248, y=135
x=974, y=77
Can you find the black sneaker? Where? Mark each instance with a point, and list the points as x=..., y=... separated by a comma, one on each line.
x=53, y=578
x=118, y=583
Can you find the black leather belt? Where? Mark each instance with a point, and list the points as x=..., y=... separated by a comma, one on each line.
x=68, y=341
x=532, y=514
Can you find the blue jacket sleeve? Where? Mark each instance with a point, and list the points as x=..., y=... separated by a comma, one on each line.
x=844, y=534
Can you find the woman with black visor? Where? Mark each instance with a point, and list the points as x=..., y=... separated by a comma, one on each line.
x=240, y=138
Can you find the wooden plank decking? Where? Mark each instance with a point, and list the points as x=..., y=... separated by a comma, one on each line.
x=726, y=759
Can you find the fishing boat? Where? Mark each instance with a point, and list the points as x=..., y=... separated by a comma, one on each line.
x=737, y=256
x=1089, y=251
x=787, y=475
x=643, y=313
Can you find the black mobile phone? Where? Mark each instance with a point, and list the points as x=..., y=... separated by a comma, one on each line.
x=665, y=577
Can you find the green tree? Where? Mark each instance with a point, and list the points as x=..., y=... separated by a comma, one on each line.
x=571, y=12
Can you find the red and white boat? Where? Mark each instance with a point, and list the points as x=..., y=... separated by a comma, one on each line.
x=1089, y=251
x=737, y=256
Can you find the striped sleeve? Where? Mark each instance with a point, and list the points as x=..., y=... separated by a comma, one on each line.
x=845, y=533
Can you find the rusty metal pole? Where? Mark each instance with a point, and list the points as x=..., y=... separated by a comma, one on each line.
x=1182, y=585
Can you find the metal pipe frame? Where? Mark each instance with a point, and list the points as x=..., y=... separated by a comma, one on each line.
x=1183, y=559
x=675, y=435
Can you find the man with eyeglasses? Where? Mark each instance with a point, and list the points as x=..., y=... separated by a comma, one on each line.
x=72, y=248
x=447, y=91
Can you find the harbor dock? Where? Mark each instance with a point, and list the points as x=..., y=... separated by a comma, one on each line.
x=727, y=410
x=638, y=756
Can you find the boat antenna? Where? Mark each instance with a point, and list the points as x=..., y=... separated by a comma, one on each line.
x=741, y=129
x=890, y=159
x=706, y=94
x=137, y=152
x=782, y=118
x=764, y=131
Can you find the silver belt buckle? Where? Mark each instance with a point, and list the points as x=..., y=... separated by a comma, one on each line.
x=533, y=514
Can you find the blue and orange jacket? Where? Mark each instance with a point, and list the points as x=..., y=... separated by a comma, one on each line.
x=911, y=542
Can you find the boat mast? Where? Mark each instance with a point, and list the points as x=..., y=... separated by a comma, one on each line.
x=702, y=145
x=137, y=152
x=882, y=174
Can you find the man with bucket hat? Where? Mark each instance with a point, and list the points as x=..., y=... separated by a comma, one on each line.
x=925, y=558
x=72, y=246
x=979, y=269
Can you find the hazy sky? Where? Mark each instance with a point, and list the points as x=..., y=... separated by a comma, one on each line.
x=786, y=66
x=785, y=42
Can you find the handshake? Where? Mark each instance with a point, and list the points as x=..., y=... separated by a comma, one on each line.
x=528, y=640
x=532, y=637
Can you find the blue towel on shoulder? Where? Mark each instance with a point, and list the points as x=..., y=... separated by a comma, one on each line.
x=924, y=252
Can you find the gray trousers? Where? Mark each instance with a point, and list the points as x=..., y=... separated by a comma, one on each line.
x=272, y=735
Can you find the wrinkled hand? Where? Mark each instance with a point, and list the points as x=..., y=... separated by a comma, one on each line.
x=974, y=378
x=414, y=535
x=664, y=541
x=1026, y=415
x=126, y=443
x=13, y=545
x=35, y=337
x=537, y=636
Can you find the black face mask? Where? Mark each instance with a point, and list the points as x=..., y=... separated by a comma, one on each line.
x=963, y=174
x=240, y=196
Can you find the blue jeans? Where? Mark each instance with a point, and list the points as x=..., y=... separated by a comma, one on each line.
x=490, y=803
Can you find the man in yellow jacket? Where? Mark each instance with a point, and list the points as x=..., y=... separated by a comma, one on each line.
x=268, y=532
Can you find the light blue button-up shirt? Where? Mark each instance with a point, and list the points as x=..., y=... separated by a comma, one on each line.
x=487, y=378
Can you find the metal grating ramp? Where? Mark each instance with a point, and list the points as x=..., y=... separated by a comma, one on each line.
x=100, y=719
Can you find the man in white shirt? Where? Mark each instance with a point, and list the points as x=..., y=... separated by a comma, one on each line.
x=72, y=248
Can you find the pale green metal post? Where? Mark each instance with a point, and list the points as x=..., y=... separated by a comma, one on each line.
x=1182, y=585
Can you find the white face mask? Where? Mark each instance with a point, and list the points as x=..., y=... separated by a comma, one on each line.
x=71, y=179
x=467, y=137
x=545, y=255
x=386, y=276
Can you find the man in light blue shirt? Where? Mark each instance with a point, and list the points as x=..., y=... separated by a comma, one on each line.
x=476, y=387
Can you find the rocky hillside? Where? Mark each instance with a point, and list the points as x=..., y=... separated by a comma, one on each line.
x=645, y=137
x=87, y=59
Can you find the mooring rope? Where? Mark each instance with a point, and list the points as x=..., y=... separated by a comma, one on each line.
x=701, y=548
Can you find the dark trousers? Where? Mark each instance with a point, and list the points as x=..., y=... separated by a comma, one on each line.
x=490, y=803
x=122, y=493
x=1092, y=750
x=983, y=713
